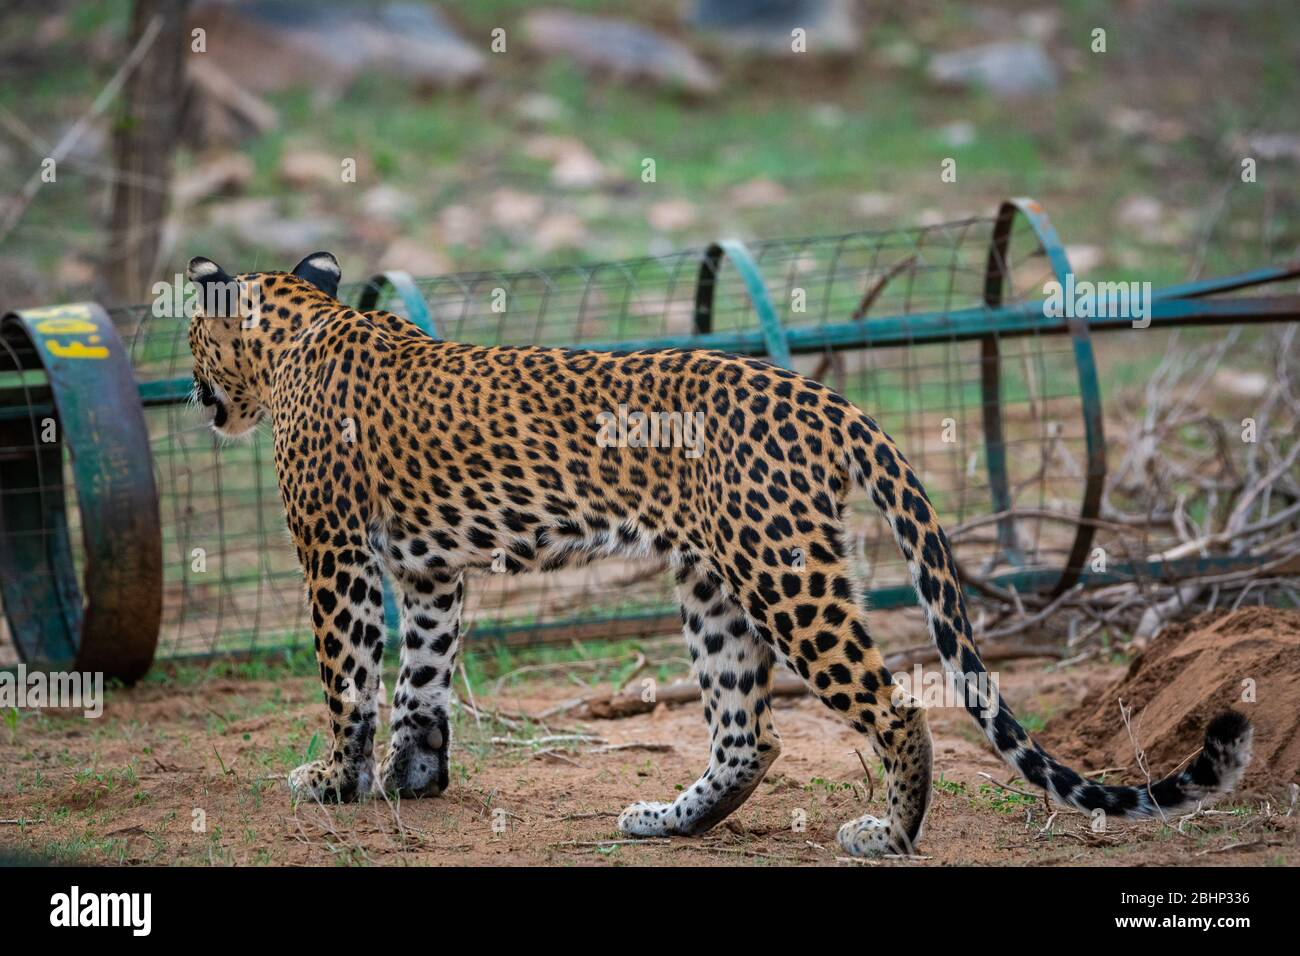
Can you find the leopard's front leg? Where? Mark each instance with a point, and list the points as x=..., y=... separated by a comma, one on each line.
x=347, y=609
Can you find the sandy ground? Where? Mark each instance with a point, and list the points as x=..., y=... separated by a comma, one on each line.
x=195, y=775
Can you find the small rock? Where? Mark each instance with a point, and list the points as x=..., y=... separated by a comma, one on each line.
x=242, y=214
x=1140, y=212
x=540, y=108
x=828, y=115
x=1245, y=384
x=625, y=50
x=561, y=231
x=1039, y=25
x=758, y=193
x=1084, y=259
x=1275, y=146
x=417, y=257
x=258, y=223
x=291, y=236
x=573, y=165
x=512, y=209
x=764, y=26
x=460, y=225
x=415, y=41
x=384, y=202
x=901, y=53
x=957, y=134
x=671, y=215
x=1129, y=121
x=1150, y=221
x=1170, y=130
x=306, y=167
x=272, y=46
x=579, y=170
x=874, y=205
x=74, y=271
x=1005, y=69
x=372, y=231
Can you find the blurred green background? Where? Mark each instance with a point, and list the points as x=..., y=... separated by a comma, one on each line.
x=532, y=156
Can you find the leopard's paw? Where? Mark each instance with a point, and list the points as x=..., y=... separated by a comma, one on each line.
x=645, y=819
x=417, y=764
x=866, y=836
x=329, y=783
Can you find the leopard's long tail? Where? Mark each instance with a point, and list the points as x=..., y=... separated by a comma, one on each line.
x=878, y=467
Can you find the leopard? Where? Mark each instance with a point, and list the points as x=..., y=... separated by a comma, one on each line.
x=404, y=456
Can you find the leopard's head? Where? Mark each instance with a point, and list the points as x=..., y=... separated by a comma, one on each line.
x=233, y=324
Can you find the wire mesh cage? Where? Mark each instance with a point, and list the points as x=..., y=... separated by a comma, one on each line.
x=929, y=389
x=940, y=333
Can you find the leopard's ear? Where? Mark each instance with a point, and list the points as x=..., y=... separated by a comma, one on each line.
x=218, y=292
x=322, y=270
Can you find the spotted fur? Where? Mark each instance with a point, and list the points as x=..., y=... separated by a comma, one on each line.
x=425, y=459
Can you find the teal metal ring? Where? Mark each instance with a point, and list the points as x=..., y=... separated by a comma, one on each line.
x=417, y=310
x=1089, y=385
x=100, y=424
x=774, y=337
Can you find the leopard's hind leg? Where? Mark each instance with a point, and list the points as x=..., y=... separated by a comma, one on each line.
x=901, y=739
x=418, y=757
x=735, y=673
x=818, y=628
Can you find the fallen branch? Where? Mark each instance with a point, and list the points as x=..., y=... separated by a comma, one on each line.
x=645, y=841
x=549, y=739
x=785, y=684
x=633, y=745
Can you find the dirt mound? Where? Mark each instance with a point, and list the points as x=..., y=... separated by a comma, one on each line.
x=1247, y=659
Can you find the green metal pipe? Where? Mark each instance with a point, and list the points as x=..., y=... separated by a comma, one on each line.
x=885, y=331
